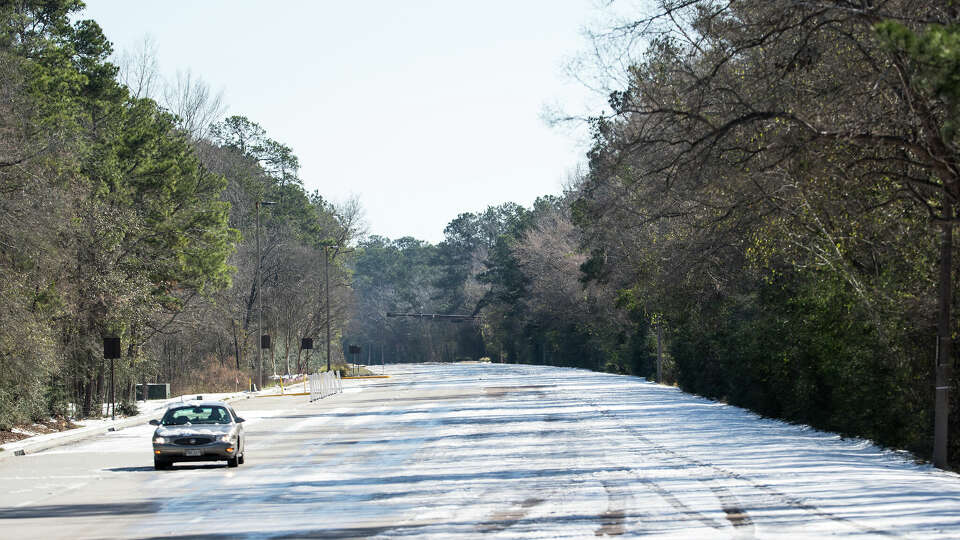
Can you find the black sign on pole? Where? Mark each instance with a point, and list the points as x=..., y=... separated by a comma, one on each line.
x=265, y=341
x=306, y=344
x=111, y=348
x=111, y=351
x=355, y=353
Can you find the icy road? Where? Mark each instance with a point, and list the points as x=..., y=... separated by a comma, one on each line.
x=503, y=451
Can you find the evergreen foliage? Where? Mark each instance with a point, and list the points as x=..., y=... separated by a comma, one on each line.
x=116, y=221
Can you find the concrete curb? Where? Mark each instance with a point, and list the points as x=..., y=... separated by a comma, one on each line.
x=70, y=436
x=25, y=447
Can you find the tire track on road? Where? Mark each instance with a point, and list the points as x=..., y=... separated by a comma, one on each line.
x=611, y=522
x=734, y=511
x=501, y=520
x=731, y=507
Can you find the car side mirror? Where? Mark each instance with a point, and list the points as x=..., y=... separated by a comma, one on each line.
x=154, y=422
x=240, y=420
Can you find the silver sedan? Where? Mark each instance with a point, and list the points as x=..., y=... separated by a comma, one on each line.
x=198, y=431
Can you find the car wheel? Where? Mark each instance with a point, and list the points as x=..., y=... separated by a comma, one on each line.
x=161, y=464
x=240, y=459
x=233, y=462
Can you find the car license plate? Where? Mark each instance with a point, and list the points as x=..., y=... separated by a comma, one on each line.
x=194, y=452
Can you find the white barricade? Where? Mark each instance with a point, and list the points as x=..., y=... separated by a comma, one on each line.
x=325, y=384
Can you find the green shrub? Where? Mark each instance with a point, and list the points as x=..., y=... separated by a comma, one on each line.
x=127, y=408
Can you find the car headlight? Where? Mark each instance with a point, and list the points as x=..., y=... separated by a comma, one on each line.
x=226, y=438
x=159, y=440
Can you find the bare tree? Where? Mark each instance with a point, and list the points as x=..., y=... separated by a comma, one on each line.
x=352, y=222
x=188, y=96
x=140, y=70
x=191, y=99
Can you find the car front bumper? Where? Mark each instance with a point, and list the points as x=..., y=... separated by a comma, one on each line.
x=214, y=451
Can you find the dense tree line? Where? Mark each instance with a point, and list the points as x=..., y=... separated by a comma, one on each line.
x=788, y=172
x=519, y=271
x=123, y=215
x=775, y=191
x=770, y=203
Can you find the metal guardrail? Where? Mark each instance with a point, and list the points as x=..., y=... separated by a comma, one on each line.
x=325, y=384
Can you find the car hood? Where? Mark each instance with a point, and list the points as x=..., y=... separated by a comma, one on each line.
x=185, y=431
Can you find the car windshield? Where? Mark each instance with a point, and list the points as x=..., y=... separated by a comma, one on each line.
x=204, y=414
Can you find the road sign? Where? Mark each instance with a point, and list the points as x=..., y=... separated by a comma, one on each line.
x=111, y=348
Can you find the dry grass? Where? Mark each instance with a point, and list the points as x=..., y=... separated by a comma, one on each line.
x=213, y=378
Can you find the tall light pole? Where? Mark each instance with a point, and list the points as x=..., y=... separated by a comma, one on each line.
x=260, y=298
x=326, y=286
x=326, y=289
x=659, y=353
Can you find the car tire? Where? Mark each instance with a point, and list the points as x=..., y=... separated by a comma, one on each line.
x=240, y=459
x=233, y=462
x=161, y=464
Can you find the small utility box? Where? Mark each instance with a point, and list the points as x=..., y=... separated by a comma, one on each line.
x=154, y=391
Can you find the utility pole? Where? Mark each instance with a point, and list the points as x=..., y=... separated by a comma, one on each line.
x=944, y=361
x=326, y=286
x=659, y=353
x=260, y=299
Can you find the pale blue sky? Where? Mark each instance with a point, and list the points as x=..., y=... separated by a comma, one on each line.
x=423, y=109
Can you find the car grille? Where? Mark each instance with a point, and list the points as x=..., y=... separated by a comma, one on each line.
x=193, y=441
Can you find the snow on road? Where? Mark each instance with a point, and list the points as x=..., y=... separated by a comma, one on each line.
x=511, y=451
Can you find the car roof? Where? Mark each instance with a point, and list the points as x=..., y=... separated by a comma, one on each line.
x=196, y=403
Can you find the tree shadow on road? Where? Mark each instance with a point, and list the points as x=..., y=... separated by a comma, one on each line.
x=129, y=469
x=175, y=467
x=74, y=510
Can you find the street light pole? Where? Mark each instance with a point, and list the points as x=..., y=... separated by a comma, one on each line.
x=326, y=288
x=259, y=306
x=659, y=353
x=259, y=278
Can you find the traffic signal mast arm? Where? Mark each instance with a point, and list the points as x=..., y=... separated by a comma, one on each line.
x=435, y=316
